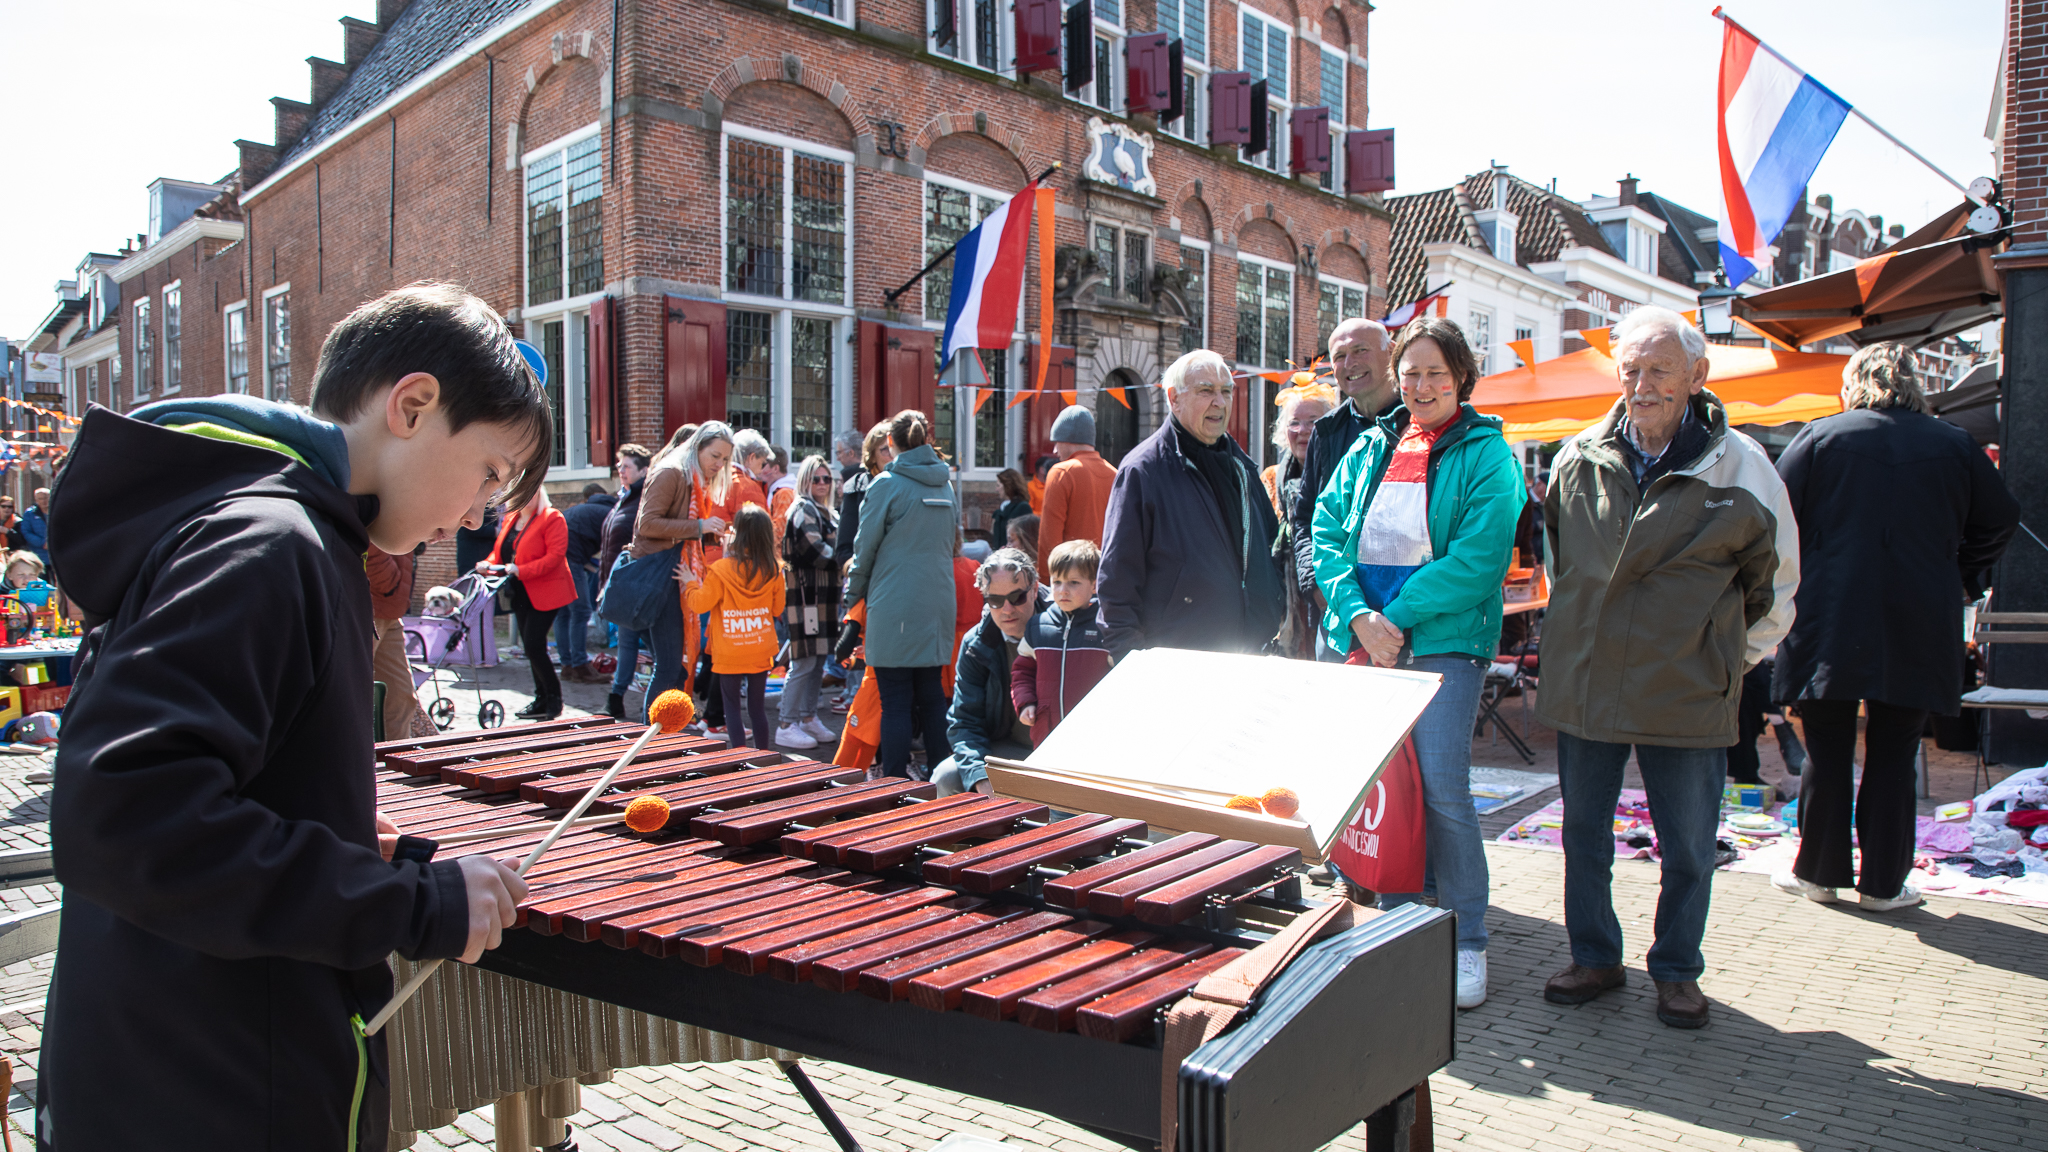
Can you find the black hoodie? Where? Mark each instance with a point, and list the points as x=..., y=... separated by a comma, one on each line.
x=225, y=907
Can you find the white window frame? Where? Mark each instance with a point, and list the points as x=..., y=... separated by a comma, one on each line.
x=845, y=21
x=1193, y=125
x=227, y=348
x=141, y=312
x=172, y=358
x=559, y=144
x=1208, y=285
x=1535, y=332
x=963, y=34
x=787, y=307
x=1124, y=230
x=1339, y=126
x=1261, y=390
x=1482, y=350
x=1340, y=284
x=1274, y=159
x=1113, y=32
x=1208, y=30
x=263, y=331
x=956, y=373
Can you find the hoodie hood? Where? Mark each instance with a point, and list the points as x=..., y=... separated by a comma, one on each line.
x=922, y=465
x=129, y=482
x=316, y=443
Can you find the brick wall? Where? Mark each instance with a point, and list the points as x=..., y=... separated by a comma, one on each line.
x=211, y=276
x=2025, y=175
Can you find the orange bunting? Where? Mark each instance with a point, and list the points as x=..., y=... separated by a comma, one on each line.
x=1597, y=337
x=1526, y=349
x=981, y=396
x=1070, y=397
x=1120, y=397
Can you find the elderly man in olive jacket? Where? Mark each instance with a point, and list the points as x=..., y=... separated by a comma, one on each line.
x=1675, y=559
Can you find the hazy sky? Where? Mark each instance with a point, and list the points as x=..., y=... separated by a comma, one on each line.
x=96, y=100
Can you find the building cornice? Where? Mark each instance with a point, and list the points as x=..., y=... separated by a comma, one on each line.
x=177, y=240
x=1597, y=269
x=98, y=346
x=1477, y=263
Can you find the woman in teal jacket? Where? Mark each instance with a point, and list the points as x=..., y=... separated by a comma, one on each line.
x=1412, y=538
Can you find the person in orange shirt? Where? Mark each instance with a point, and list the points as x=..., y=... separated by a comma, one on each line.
x=741, y=490
x=743, y=594
x=1077, y=489
x=1036, y=489
x=966, y=610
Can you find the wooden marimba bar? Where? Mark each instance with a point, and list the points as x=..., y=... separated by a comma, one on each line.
x=973, y=942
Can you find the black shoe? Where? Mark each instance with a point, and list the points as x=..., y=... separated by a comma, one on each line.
x=615, y=706
x=533, y=711
x=1790, y=748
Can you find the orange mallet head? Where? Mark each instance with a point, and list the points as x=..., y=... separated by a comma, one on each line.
x=647, y=813
x=1243, y=804
x=1281, y=802
x=672, y=710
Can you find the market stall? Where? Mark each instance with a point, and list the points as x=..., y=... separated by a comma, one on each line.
x=1559, y=398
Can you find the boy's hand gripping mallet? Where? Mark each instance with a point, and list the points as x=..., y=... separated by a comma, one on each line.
x=671, y=711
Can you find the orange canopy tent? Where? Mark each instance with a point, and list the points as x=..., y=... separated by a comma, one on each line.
x=1559, y=398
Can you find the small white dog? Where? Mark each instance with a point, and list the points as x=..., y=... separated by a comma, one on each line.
x=442, y=600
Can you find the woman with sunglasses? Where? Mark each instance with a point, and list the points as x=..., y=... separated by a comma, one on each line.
x=812, y=612
x=1413, y=536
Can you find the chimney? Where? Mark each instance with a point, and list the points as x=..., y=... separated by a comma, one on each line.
x=1500, y=186
x=1825, y=202
x=1877, y=225
x=1628, y=190
x=256, y=161
x=357, y=38
x=292, y=118
x=1898, y=232
x=327, y=78
x=388, y=12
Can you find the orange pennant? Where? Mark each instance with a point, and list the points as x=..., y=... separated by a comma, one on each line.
x=1120, y=397
x=1022, y=395
x=1597, y=337
x=1069, y=397
x=1526, y=349
x=981, y=396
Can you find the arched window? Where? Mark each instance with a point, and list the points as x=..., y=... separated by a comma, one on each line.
x=1116, y=423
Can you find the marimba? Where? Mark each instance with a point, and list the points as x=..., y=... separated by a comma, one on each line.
x=971, y=942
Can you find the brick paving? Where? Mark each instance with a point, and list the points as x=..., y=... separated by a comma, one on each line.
x=1832, y=1029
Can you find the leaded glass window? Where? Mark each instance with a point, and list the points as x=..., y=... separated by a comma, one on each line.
x=750, y=370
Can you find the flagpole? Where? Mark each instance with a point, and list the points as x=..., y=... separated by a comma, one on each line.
x=891, y=297
x=1908, y=149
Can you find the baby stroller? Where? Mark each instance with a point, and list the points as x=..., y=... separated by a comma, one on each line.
x=464, y=639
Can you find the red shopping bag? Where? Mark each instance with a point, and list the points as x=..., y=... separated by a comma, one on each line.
x=1385, y=845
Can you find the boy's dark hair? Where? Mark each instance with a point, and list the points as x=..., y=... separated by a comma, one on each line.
x=594, y=489
x=1074, y=555
x=637, y=454
x=448, y=333
x=753, y=541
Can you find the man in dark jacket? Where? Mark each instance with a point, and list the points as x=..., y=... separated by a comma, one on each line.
x=982, y=722
x=572, y=624
x=1187, y=545
x=1358, y=357
x=617, y=533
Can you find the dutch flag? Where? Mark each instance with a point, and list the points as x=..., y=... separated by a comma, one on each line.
x=988, y=278
x=1776, y=123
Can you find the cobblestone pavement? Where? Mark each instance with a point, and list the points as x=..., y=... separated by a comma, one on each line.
x=1832, y=1029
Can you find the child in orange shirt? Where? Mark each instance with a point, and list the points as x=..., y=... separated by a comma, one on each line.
x=862, y=736
x=743, y=593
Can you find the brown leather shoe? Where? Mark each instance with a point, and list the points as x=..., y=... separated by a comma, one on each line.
x=1578, y=984
x=1682, y=1005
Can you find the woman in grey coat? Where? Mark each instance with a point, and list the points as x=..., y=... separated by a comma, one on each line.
x=903, y=567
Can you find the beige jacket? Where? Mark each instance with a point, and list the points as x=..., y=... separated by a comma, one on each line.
x=1661, y=599
x=664, y=518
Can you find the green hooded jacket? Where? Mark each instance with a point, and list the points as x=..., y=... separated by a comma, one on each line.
x=1451, y=604
x=903, y=562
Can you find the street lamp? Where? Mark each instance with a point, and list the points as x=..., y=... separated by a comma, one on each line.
x=1717, y=310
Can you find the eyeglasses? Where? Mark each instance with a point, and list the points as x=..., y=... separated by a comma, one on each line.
x=815, y=480
x=1012, y=600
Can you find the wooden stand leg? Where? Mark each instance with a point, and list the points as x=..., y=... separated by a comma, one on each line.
x=1387, y=1130
x=509, y=1120
x=1422, y=1134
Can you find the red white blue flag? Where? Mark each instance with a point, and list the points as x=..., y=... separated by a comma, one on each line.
x=988, y=278
x=1776, y=123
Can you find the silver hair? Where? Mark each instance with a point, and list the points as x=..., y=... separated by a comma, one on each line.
x=689, y=456
x=1882, y=376
x=848, y=440
x=1177, y=372
x=1005, y=560
x=748, y=443
x=1649, y=319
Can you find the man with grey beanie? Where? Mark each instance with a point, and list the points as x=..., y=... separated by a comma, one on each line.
x=1077, y=490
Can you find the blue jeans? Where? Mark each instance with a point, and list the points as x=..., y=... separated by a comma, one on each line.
x=1443, y=750
x=573, y=622
x=1684, y=786
x=629, y=659
x=665, y=636
x=911, y=700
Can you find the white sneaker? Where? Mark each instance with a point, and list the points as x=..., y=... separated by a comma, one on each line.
x=1787, y=882
x=1471, y=979
x=790, y=736
x=818, y=729
x=1907, y=897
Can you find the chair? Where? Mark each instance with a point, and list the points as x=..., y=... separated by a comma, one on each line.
x=1985, y=631
x=1516, y=668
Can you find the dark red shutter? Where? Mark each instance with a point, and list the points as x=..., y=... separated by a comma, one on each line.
x=1046, y=406
x=1176, y=83
x=1259, y=140
x=1038, y=35
x=693, y=356
x=897, y=370
x=1145, y=86
x=1080, y=69
x=601, y=417
x=945, y=21
x=1308, y=132
x=1369, y=160
x=1230, y=107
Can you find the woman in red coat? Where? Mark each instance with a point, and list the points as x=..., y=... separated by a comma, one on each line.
x=537, y=542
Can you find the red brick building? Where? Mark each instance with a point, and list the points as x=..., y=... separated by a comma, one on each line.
x=696, y=207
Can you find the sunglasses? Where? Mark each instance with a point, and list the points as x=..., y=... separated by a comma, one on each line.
x=1012, y=600
x=821, y=480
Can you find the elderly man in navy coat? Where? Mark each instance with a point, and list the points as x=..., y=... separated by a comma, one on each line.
x=1187, y=546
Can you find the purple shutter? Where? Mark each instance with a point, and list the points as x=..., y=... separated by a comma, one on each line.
x=1308, y=132
x=1080, y=23
x=1176, y=84
x=1369, y=161
x=1230, y=107
x=1038, y=35
x=1145, y=87
x=1257, y=143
